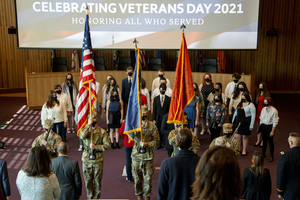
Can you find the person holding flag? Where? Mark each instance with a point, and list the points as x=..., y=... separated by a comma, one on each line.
x=145, y=136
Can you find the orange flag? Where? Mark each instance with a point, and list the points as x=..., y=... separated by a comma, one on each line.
x=183, y=88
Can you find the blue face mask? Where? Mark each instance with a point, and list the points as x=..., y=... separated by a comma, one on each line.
x=54, y=98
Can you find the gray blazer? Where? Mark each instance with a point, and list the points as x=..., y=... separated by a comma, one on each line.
x=69, y=178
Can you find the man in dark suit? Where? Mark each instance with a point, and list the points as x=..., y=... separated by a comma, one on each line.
x=68, y=174
x=177, y=173
x=166, y=128
x=288, y=170
x=161, y=106
x=4, y=181
x=126, y=87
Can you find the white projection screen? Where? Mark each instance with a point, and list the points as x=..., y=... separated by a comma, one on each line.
x=210, y=24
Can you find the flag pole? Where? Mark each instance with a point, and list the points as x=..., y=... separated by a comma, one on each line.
x=182, y=27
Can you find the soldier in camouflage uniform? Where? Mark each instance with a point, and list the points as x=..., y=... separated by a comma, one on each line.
x=50, y=143
x=93, y=169
x=195, y=147
x=142, y=163
x=227, y=131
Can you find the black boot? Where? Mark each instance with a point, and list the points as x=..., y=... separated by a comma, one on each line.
x=271, y=158
x=112, y=146
x=117, y=145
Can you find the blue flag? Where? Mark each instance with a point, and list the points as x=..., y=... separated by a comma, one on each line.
x=133, y=116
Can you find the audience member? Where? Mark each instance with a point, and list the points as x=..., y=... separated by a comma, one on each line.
x=126, y=87
x=166, y=128
x=217, y=89
x=161, y=106
x=156, y=82
x=200, y=107
x=4, y=183
x=108, y=93
x=92, y=156
x=259, y=104
x=36, y=180
x=236, y=98
x=142, y=157
x=156, y=92
x=217, y=176
x=114, y=116
x=256, y=180
x=288, y=170
x=230, y=88
x=268, y=122
x=227, y=140
x=244, y=114
x=145, y=92
x=206, y=87
x=68, y=174
x=192, y=112
x=49, y=141
x=215, y=116
x=69, y=87
x=177, y=174
x=57, y=112
x=107, y=82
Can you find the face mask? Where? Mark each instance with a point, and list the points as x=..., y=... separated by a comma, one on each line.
x=129, y=73
x=207, y=80
x=69, y=79
x=144, y=117
x=227, y=134
x=235, y=81
x=162, y=91
x=261, y=89
x=115, y=96
x=217, y=90
x=54, y=98
x=58, y=91
x=160, y=76
x=112, y=84
x=217, y=100
x=195, y=89
x=266, y=104
x=243, y=100
x=241, y=89
x=94, y=123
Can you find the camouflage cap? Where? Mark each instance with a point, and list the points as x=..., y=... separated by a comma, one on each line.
x=227, y=127
x=94, y=115
x=144, y=109
x=47, y=123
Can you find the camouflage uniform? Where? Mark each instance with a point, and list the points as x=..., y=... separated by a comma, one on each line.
x=235, y=145
x=142, y=164
x=172, y=138
x=53, y=140
x=93, y=169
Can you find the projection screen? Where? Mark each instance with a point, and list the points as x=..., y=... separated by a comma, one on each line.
x=210, y=24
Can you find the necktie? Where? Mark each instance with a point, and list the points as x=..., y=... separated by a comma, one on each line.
x=130, y=83
x=234, y=87
x=162, y=102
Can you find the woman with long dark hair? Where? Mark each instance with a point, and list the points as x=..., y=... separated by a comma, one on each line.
x=110, y=85
x=36, y=180
x=259, y=104
x=256, y=180
x=114, y=116
x=244, y=114
x=201, y=105
x=206, y=87
x=55, y=111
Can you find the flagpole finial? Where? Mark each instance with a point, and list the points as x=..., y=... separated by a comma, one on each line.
x=136, y=42
x=182, y=27
x=87, y=9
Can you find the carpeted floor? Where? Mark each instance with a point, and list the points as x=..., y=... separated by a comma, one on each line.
x=23, y=126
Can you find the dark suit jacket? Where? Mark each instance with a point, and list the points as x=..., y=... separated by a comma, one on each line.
x=165, y=130
x=158, y=111
x=288, y=173
x=125, y=90
x=4, y=180
x=68, y=175
x=176, y=176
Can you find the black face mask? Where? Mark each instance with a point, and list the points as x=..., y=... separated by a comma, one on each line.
x=160, y=76
x=162, y=91
x=195, y=89
x=207, y=80
x=217, y=100
x=112, y=84
x=58, y=91
x=214, y=91
x=227, y=134
x=144, y=117
x=241, y=89
x=115, y=96
x=69, y=79
x=217, y=90
x=129, y=73
x=261, y=89
x=243, y=100
x=235, y=81
x=94, y=123
x=266, y=104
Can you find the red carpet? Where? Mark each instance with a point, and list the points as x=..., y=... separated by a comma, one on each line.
x=23, y=126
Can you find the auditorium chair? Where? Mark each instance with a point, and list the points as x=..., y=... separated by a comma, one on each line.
x=99, y=64
x=154, y=64
x=123, y=63
x=210, y=65
x=59, y=64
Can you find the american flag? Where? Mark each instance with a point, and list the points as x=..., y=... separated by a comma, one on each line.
x=142, y=59
x=87, y=76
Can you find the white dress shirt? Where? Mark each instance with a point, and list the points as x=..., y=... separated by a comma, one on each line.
x=66, y=100
x=156, y=83
x=57, y=112
x=230, y=89
x=146, y=93
x=269, y=115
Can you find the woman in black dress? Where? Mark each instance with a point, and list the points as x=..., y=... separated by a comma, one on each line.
x=256, y=180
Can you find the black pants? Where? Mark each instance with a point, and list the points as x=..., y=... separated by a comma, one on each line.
x=265, y=132
x=214, y=133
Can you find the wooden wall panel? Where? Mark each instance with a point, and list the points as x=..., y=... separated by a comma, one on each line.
x=276, y=61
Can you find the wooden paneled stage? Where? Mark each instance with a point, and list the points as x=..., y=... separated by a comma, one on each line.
x=38, y=85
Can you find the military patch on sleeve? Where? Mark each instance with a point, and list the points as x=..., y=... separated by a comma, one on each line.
x=282, y=153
